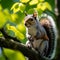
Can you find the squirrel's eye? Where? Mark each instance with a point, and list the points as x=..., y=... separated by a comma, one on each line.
x=31, y=19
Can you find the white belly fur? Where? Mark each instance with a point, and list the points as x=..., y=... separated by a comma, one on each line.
x=32, y=31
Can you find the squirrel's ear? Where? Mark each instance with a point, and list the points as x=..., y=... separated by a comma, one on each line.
x=35, y=14
x=25, y=13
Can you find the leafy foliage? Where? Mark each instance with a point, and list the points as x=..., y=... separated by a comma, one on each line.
x=12, y=19
x=14, y=55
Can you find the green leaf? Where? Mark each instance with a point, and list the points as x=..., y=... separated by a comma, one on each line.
x=44, y=6
x=21, y=28
x=15, y=7
x=41, y=6
x=33, y=2
x=18, y=34
x=2, y=19
x=41, y=0
x=0, y=7
x=30, y=11
x=39, y=12
x=14, y=17
x=7, y=14
x=24, y=1
x=13, y=55
x=52, y=3
x=21, y=7
x=11, y=33
x=18, y=7
x=48, y=6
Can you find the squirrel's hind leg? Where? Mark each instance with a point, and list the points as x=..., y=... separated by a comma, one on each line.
x=43, y=49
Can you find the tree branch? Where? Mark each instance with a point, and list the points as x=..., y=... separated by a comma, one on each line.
x=32, y=54
x=13, y=43
x=7, y=36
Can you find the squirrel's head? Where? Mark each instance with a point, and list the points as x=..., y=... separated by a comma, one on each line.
x=30, y=20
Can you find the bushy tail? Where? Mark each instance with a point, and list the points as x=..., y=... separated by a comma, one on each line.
x=52, y=34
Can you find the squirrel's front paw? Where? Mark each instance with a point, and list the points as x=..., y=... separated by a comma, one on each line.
x=28, y=44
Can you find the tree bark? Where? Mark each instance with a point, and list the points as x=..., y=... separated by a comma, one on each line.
x=10, y=44
x=58, y=25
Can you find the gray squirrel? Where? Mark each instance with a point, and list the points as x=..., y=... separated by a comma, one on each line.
x=41, y=34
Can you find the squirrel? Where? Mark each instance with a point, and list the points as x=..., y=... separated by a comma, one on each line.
x=41, y=34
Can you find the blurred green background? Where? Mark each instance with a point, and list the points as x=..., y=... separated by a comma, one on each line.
x=12, y=19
